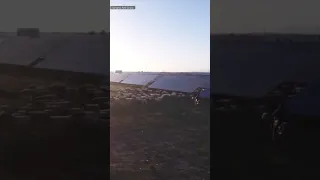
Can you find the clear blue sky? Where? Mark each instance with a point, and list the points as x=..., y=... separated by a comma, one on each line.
x=161, y=35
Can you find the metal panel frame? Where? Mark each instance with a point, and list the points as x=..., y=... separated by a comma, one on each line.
x=197, y=84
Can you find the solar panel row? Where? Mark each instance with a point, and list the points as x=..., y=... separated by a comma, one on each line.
x=69, y=52
x=240, y=69
x=171, y=82
x=253, y=69
x=80, y=54
x=116, y=77
x=140, y=79
x=183, y=83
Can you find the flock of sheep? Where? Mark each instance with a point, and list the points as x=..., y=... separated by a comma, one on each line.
x=143, y=94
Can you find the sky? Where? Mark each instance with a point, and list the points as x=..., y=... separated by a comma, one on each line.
x=160, y=35
x=279, y=16
x=55, y=15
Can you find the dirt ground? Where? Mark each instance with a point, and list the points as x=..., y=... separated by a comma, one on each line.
x=167, y=139
x=36, y=144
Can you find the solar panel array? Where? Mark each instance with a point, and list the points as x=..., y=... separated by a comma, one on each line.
x=89, y=54
x=183, y=83
x=187, y=82
x=240, y=68
x=80, y=54
x=11, y=51
x=63, y=51
x=23, y=50
x=116, y=77
x=252, y=69
x=140, y=79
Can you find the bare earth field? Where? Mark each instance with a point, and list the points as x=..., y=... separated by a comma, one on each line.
x=166, y=138
x=52, y=129
x=55, y=130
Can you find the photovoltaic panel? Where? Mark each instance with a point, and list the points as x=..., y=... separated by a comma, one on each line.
x=11, y=51
x=116, y=77
x=139, y=79
x=25, y=50
x=253, y=69
x=80, y=53
x=306, y=103
x=205, y=94
x=182, y=83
